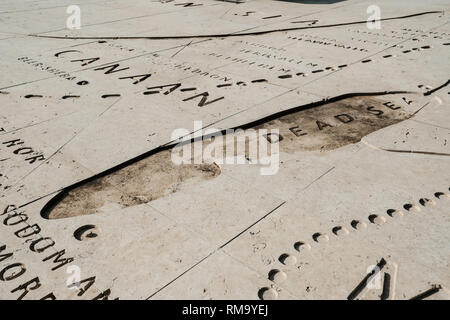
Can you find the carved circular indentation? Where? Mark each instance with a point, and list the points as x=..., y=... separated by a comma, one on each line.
x=82, y=83
x=411, y=207
x=376, y=219
x=301, y=246
x=267, y=293
x=394, y=213
x=277, y=276
x=358, y=225
x=340, y=231
x=86, y=232
x=320, y=237
x=287, y=259
x=427, y=202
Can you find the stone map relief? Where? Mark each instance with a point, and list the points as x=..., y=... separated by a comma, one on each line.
x=210, y=149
